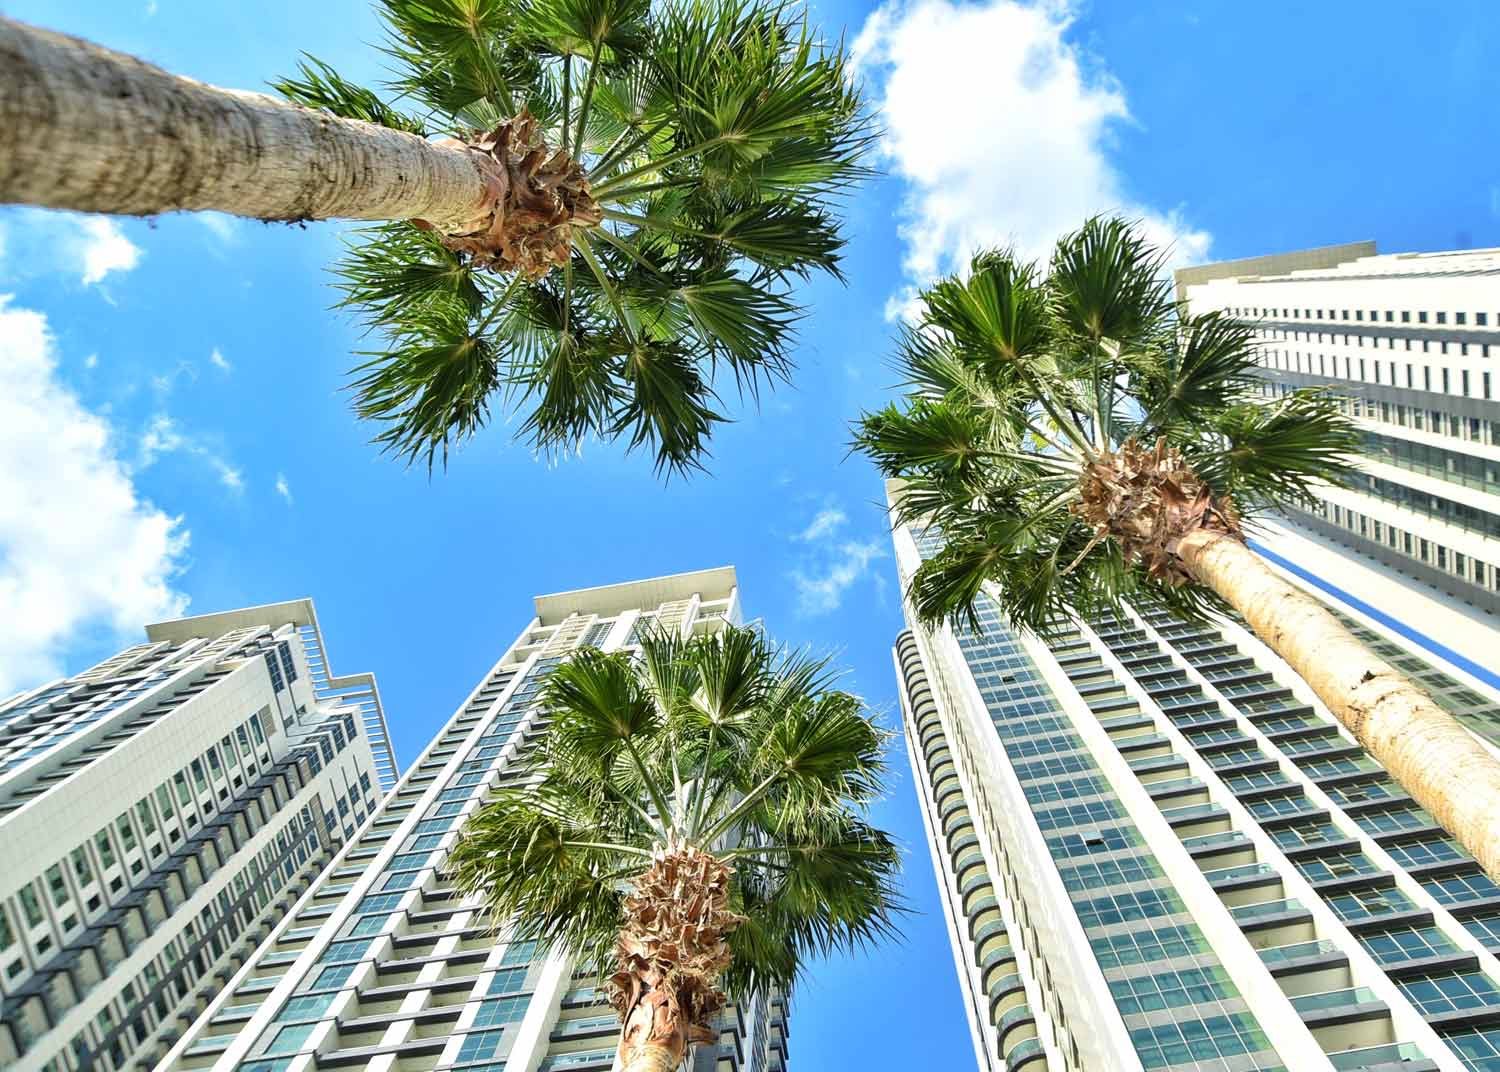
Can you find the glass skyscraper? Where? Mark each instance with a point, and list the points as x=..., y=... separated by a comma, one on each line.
x=159, y=813
x=382, y=965
x=1156, y=850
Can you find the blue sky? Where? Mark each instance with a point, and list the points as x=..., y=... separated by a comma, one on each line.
x=173, y=432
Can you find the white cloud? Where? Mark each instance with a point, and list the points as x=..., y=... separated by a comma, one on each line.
x=80, y=550
x=823, y=591
x=35, y=242
x=219, y=361
x=163, y=436
x=1000, y=130
x=226, y=229
x=92, y=361
x=104, y=249
x=825, y=523
x=283, y=488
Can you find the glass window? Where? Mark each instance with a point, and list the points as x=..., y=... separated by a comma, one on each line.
x=290, y=1039
x=1198, y=1042
x=479, y=1045
x=305, y=1008
x=1430, y=850
x=7, y=936
x=104, y=848
x=502, y=1011
x=1407, y=943
x=127, y=832
x=31, y=907
x=519, y=953
x=507, y=980
x=1455, y=889
x=82, y=869
x=143, y=813
x=1170, y=990
x=58, y=885
x=333, y=978
x=1451, y=991
x=1364, y=904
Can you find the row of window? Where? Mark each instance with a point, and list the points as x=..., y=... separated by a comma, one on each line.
x=1460, y=318
x=1456, y=563
x=1417, y=377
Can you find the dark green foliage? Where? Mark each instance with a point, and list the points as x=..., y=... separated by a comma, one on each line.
x=717, y=135
x=722, y=743
x=1015, y=379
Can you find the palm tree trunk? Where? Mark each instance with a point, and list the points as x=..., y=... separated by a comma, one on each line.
x=1434, y=758
x=85, y=128
x=653, y=1037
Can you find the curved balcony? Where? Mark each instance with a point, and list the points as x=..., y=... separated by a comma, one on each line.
x=1015, y=1026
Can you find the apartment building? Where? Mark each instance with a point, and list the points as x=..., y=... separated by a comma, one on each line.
x=1157, y=850
x=159, y=812
x=382, y=965
x=1409, y=343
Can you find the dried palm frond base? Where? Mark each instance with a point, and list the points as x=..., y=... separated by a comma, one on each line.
x=671, y=952
x=1148, y=499
x=534, y=197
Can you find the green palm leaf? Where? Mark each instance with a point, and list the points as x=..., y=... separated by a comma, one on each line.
x=716, y=136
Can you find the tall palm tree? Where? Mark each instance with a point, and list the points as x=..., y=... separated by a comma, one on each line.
x=624, y=197
x=1078, y=439
x=695, y=828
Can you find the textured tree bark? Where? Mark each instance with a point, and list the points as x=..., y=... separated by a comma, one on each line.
x=85, y=128
x=1436, y=760
x=653, y=1037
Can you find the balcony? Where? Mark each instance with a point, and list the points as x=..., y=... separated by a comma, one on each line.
x=1228, y=878
x=1266, y=911
x=1339, y=1006
x=1394, y=1057
x=1300, y=953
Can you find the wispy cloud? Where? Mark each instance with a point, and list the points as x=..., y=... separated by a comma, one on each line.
x=823, y=592
x=80, y=549
x=1001, y=130
x=224, y=229
x=824, y=523
x=92, y=361
x=283, y=488
x=163, y=436
x=219, y=361
x=828, y=567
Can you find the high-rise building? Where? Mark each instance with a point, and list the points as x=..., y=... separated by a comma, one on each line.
x=1157, y=850
x=158, y=815
x=382, y=965
x=1410, y=344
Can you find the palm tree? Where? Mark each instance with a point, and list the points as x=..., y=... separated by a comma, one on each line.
x=695, y=823
x=624, y=198
x=1077, y=440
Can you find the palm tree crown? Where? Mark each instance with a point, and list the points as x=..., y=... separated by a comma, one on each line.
x=1063, y=429
x=659, y=176
x=695, y=820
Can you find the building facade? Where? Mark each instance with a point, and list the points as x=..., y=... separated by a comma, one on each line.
x=158, y=814
x=1409, y=343
x=1157, y=850
x=381, y=965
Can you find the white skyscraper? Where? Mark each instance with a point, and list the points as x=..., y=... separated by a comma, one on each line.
x=158, y=814
x=1156, y=850
x=381, y=965
x=1410, y=343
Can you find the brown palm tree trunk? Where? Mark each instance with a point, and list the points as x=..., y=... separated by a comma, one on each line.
x=1434, y=758
x=85, y=128
x=653, y=1037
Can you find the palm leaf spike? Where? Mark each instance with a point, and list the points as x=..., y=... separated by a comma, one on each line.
x=1146, y=454
x=694, y=826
